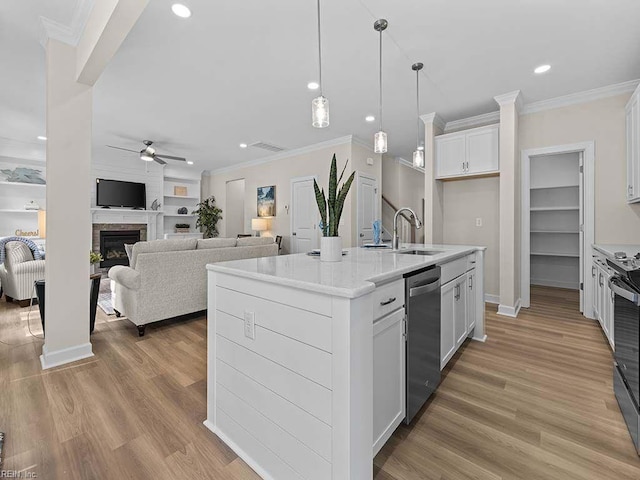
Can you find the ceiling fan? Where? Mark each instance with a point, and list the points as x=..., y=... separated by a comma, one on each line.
x=148, y=154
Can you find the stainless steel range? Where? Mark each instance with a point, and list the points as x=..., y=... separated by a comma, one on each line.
x=625, y=286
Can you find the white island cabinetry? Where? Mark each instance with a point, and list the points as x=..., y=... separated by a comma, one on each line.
x=306, y=359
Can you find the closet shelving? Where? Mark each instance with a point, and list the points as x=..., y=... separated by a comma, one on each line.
x=555, y=221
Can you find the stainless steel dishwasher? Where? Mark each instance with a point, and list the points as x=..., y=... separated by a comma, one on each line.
x=422, y=300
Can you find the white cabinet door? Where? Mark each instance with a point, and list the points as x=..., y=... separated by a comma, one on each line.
x=482, y=150
x=447, y=312
x=460, y=310
x=389, y=405
x=633, y=148
x=471, y=300
x=594, y=282
x=599, y=295
x=450, y=155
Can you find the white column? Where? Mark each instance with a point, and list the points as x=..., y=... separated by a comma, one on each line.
x=433, y=206
x=71, y=72
x=68, y=117
x=510, y=248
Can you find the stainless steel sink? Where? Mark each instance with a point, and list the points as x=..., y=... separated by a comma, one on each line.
x=419, y=252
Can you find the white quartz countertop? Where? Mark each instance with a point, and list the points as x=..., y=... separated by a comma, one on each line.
x=354, y=276
x=610, y=249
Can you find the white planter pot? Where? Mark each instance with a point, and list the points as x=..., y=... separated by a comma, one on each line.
x=92, y=268
x=331, y=249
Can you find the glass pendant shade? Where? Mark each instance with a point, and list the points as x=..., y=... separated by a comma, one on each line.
x=418, y=158
x=320, y=112
x=380, y=142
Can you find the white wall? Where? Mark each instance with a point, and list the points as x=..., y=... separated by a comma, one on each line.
x=404, y=187
x=305, y=162
x=464, y=202
x=602, y=121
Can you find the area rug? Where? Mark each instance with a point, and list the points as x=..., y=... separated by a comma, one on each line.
x=104, y=297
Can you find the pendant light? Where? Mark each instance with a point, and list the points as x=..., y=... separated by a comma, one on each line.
x=380, y=138
x=320, y=105
x=418, y=155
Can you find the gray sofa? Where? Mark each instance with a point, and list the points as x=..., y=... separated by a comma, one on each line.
x=168, y=278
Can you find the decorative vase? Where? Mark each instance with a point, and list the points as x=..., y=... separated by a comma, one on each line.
x=92, y=268
x=331, y=249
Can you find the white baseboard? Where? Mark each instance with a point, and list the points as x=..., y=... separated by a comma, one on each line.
x=509, y=311
x=238, y=451
x=490, y=298
x=66, y=355
x=480, y=339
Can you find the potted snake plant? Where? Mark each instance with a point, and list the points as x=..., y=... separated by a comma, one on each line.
x=330, y=208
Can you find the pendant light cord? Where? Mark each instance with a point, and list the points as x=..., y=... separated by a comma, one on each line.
x=417, y=109
x=380, y=80
x=319, y=51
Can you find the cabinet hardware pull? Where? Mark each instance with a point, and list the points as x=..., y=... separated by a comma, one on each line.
x=600, y=280
x=593, y=271
x=387, y=302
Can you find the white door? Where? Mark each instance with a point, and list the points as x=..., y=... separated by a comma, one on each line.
x=460, y=310
x=581, y=228
x=304, y=216
x=450, y=155
x=234, y=211
x=471, y=300
x=447, y=335
x=482, y=150
x=367, y=190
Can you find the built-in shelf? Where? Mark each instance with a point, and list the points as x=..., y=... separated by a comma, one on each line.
x=553, y=209
x=179, y=215
x=8, y=210
x=573, y=232
x=122, y=210
x=20, y=184
x=548, y=187
x=550, y=254
x=173, y=178
x=182, y=197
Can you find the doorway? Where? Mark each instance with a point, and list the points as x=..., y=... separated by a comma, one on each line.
x=305, y=233
x=234, y=215
x=558, y=220
x=367, y=207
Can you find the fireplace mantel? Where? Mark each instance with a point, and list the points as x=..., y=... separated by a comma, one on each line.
x=123, y=215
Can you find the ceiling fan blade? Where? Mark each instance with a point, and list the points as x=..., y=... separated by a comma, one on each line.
x=156, y=159
x=126, y=149
x=171, y=157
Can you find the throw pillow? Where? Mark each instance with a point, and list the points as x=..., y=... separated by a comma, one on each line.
x=128, y=247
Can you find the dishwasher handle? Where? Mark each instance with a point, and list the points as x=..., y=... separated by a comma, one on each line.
x=614, y=285
x=425, y=288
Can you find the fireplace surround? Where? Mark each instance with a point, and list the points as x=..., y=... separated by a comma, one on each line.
x=112, y=246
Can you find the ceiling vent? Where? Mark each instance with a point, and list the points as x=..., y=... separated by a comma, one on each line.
x=267, y=146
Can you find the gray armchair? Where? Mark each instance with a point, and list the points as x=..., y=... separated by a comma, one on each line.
x=19, y=272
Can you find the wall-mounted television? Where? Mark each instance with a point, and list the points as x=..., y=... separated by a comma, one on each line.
x=116, y=193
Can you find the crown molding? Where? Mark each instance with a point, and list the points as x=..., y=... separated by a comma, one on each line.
x=434, y=119
x=471, y=122
x=581, y=97
x=363, y=144
x=407, y=163
x=69, y=34
x=285, y=154
x=510, y=99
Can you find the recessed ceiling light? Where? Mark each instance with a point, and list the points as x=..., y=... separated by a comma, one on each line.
x=313, y=85
x=370, y=118
x=41, y=137
x=243, y=145
x=542, y=69
x=181, y=10
x=189, y=162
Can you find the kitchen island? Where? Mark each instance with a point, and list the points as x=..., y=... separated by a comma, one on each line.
x=306, y=359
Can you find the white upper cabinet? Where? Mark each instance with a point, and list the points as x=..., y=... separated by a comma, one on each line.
x=633, y=148
x=469, y=152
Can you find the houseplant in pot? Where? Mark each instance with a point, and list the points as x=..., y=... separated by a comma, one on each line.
x=94, y=259
x=208, y=217
x=330, y=208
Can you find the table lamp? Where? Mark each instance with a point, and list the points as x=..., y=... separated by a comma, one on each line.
x=42, y=223
x=259, y=225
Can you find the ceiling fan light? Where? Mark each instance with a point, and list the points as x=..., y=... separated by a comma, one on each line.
x=320, y=112
x=146, y=157
x=418, y=159
x=380, y=142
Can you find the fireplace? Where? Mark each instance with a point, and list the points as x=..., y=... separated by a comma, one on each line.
x=112, y=246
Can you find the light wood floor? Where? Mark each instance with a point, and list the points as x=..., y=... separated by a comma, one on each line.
x=534, y=402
